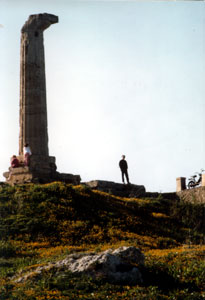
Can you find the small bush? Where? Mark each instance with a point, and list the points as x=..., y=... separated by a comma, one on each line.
x=7, y=249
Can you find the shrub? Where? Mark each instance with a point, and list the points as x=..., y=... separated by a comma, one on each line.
x=7, y=249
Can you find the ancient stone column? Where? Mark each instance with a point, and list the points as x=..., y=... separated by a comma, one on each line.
x=33, y=107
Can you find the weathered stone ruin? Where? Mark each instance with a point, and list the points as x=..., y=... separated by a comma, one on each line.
x=33, y=108
x=33, y=117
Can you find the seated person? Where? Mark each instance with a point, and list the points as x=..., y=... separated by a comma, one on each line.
x=14, y=162
x=27, y=154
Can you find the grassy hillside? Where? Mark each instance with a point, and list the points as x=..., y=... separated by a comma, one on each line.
x=41, y=223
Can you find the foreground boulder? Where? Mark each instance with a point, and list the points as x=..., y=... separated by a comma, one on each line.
x=119, y=266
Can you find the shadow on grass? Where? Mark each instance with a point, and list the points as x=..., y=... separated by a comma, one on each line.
x=164, y=281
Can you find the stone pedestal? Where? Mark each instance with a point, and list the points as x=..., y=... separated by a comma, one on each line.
x=181, y=184
x=40, y=170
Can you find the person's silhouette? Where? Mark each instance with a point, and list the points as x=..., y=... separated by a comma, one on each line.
x=124, y=167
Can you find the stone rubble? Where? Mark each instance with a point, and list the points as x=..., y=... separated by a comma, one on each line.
x=117, y=189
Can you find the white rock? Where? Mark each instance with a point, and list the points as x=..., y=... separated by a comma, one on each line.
x=117, y=266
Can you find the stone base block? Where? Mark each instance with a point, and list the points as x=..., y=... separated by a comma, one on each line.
x=22, y=176
x=203, y=180
x=181, y=184
x=117, y=189
x=18, y=175
x=68, y=178
x=40, y=170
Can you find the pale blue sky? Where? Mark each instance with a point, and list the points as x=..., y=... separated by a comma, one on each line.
x=122, y=78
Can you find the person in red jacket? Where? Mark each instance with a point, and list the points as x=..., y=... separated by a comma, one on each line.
x=14, y=162
x=124, y=167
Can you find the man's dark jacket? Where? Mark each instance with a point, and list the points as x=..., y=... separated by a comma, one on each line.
x=123, y=165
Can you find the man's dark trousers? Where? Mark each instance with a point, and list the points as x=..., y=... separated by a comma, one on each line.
x=125, y=174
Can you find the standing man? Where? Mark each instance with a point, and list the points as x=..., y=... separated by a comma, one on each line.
x=124, y=167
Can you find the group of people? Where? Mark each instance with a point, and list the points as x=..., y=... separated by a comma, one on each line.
x=27, y=153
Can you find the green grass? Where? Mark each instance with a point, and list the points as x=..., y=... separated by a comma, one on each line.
x=43, y=223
